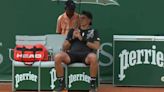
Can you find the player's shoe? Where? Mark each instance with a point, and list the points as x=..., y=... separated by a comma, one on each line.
x=93, y=88
x=60, y=87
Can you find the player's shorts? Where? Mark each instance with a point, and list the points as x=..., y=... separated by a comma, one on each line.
x=78, y=57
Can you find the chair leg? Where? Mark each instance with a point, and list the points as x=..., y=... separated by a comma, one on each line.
x=66, y=76
x=13, y=73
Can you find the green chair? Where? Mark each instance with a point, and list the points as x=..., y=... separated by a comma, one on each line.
x=41, y=75
x=78, y=76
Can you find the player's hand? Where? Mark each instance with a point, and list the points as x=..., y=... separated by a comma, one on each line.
x=76, y=34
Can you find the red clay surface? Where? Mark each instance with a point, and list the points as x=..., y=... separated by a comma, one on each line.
x=6, y=87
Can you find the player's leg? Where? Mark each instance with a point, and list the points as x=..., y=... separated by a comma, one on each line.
x=91, y=59
x=60, y=58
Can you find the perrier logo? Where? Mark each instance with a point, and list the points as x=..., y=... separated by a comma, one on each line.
x=78, y=77
x=99, y=2
x=149, y=56
x=23, y=77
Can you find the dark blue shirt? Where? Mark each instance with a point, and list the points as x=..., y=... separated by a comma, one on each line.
x=90, y=35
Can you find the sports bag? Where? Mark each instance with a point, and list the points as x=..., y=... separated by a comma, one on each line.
x=30, y=53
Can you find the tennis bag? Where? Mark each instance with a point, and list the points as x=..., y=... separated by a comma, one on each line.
x=30, y=53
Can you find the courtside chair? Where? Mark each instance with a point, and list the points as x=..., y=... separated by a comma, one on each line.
x=53, y=42
x=78, y=76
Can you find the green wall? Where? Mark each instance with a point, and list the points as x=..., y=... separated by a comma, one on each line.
x=38, y=17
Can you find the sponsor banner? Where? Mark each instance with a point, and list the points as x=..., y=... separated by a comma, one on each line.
x=27, y=78
x=48, y=78
x=79, y=79
x=139, y=62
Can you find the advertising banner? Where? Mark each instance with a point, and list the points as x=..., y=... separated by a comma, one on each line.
x=139, y=61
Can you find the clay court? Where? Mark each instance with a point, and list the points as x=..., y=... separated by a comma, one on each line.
x=6, y=87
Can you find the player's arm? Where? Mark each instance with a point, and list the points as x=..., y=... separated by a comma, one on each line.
x=68, y=41
x=66, y=45
x=93, y=45
x=90, y=43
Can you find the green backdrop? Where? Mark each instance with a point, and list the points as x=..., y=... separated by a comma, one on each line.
x=38, y=17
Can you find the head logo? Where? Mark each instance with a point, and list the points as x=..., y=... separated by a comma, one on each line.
x=99, y=2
